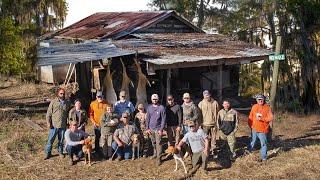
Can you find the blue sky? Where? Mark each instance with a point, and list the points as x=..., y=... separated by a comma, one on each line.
x=79, y=9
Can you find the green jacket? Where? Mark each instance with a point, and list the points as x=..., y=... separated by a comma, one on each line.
x=106, y=126
x=57, y=113
x=83, y=117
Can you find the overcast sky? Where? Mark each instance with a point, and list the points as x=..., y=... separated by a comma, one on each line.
x=79, y=9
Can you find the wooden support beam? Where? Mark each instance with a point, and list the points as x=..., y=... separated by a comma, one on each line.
x=168, y=82
x=220, y=83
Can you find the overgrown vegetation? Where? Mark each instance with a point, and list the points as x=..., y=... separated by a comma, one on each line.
x=259, y=22
x=21, y=22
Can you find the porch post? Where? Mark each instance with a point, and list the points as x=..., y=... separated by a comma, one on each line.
x=168, y=82
x=220, y=85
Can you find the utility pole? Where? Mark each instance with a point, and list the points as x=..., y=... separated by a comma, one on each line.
x=275, y=74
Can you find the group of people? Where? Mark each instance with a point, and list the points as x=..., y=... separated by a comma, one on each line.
x=196, y=127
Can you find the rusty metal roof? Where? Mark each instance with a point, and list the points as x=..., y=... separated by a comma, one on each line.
x=171, y=48
x=113, y=25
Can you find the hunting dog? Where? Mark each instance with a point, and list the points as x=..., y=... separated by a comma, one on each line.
x=135, y=142
x=87, y=149
x=177, y=157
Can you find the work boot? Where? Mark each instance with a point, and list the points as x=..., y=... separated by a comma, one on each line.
x=154, y=154
x=48, y=156
x=119, y=158
x=61, y=156
x=71, y=162
x=158, y=162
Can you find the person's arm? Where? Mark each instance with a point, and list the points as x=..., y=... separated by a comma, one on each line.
x=91, y=113
x=182, y=141
x=269, y=116
x=49, y=115
x=250, y=119
x=195, y=116
x=70, y=115
x=68, y=140
x=218, y=121
x=206, y=146
x=148, y=119
x=163, y=118
x=116, y=138
x=85, y=117
x=132, y=109
x=179, y=112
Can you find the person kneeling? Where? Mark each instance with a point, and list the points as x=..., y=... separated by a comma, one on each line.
x=122, y=142
x=74, y=141
x=199, y=143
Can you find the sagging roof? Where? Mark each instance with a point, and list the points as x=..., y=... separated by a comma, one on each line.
x=82, y=52
x=170, y=49
x=114, y=25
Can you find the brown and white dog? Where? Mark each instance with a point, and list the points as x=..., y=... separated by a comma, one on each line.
x=177, y=157
x=87, y=149
x=135, y=142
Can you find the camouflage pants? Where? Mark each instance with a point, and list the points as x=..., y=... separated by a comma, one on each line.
x=211, y=132
x=105, y=145
x=231, y=140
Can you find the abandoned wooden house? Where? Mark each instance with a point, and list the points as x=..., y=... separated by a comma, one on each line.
x=126, y=50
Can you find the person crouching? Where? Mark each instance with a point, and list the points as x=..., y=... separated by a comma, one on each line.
x=74, y=141
x=122, y=138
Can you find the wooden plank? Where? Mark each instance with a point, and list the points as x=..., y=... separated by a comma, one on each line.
x=96, y=79
x=220, y=83
x=168, y=82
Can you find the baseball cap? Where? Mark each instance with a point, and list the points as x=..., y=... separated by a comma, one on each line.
x=140, y=106
x=206, y=92
x=154, y=96
x=99, y=93
x=260, y=96
x=186, y=95
x=122, y=93
x=191, y=123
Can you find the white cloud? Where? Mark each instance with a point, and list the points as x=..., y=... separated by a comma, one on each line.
x=79, y=9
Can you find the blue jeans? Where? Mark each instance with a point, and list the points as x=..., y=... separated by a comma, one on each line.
x=97, y=133
x=263, y=141
x=185, y=129
x=125, y=151
x=77, y=150
x=52, y=136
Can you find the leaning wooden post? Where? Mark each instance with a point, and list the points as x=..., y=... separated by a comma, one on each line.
x=168, y=81
x=220, y=88
x=275, y=74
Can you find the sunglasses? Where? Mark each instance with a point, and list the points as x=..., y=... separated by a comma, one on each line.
x=99, y=96
x=61, y=93
x=125, y=117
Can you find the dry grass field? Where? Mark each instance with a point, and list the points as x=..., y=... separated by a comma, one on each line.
x=294, y=153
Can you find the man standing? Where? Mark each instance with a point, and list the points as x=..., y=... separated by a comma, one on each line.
x=209, y=109
x=259, y=119
x=228, y=125
x=122, y=138
x=78, y=114
x=190, y=112
x=199, y=143
x=173, y=120
x=74, y=140
x=123, y=105
x=96, y=110
x=156, y=119
x=57, y=116
x=109, y=122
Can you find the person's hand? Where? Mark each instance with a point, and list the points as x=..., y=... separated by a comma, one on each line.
x=160, y=132
x=82, y=142
x=178, y=129
x=148, y=131
x=49, y=125
x=205, y=152
x=120, y=144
